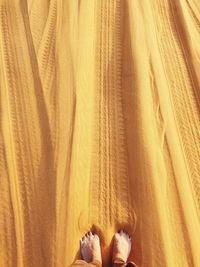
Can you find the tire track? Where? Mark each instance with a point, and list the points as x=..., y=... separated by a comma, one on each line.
x=8, y=68
x=179, y=234
x=47, y=61
x=110, y=193
x=183, y=100
x=194, y=15
x=184, y=109
x=7, y=224
x=38, y=14
x=180, y=27
x=22, y=151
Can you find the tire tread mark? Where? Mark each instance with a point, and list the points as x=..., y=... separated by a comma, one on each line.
x=111, y=166
x=183, y=102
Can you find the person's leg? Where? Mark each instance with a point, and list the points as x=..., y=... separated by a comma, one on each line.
x=90, y=252
x=121, y=250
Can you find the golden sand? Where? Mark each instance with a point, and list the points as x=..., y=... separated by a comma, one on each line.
x=99, y=129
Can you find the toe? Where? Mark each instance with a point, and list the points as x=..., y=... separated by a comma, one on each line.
x=127, y=236
x=82, y=241
x=117, y=235
x=89, y=234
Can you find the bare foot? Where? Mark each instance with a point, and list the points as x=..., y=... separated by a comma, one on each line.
x=121, y=246
x=90, y=247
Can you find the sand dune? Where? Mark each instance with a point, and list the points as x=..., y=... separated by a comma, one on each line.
x=99, y=129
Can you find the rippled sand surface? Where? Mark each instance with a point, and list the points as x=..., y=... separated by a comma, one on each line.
x=99, y=129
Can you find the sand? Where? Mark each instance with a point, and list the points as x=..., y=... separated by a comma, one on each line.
x=99, y=129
